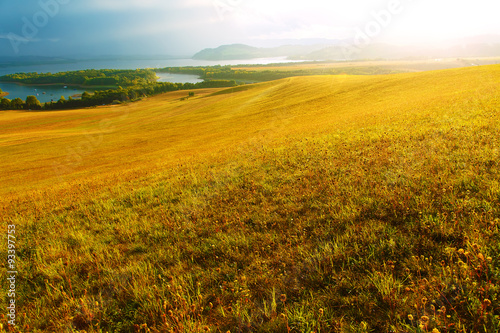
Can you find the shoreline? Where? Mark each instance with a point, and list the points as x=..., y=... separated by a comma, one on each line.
x=59, y=84
x=4, y=94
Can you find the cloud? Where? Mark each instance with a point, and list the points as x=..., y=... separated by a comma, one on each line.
x=313, y=31
x=118, y=6
x=114, y=26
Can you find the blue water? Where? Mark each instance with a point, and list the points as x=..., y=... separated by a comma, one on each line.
x=43, y=93
x=55, y=92
x=131, y=64
x=178, y=78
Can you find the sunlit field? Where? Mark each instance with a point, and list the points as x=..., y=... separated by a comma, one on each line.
x=308, y=204
x=414, y=65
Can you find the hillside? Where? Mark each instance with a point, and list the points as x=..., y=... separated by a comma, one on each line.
x=349, y=51
x=241, y=52
x=387, y=51
x=323, y=203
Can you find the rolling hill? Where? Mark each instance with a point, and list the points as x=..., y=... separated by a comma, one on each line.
x=323, y=203
x=242, y=51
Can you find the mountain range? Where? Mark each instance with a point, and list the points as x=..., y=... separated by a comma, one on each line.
x=480, y=46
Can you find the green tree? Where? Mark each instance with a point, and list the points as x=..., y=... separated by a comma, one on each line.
x=132, y=94
x=17, y=104
x=33, y=103
x=5, y=104
x=61, y=102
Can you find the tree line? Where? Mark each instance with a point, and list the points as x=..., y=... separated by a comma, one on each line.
x=246, y=76
x=89, y=77
x=110, y=96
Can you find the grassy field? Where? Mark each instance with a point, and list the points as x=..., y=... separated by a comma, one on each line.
x=308, y=204
x=392, y=65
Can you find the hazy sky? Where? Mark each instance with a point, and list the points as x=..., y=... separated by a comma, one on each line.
x=183, y=27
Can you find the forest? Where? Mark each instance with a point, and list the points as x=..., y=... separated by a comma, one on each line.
x=89, y=77
x=247, y=74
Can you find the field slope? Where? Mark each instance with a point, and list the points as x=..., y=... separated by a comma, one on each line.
x=308, y=204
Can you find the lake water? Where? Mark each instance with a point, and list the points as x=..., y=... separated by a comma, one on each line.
x=43, y=93
x=50, y=93
x=55, y=92
x=178, y=78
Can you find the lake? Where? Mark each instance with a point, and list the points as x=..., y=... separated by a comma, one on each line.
x=42, y=92
x=55, y=92
x=48, y=93
x=178, y=78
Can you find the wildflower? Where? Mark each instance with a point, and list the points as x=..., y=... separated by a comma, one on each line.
x=410, y=317
x=283, y=298
x=489, y=259
x=487, y=302
x=321, y=311
x=435, y=330
x=424, y=319
x=282, y=316
x=424, y=300
x=461, y=251
x=480, y=256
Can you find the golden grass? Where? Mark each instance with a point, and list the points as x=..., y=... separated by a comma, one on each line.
x=400, y=65
x=166, y=129
x=326, y=203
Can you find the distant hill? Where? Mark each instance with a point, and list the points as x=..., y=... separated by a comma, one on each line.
x=387, y=51
x=242, y=52
x=478, y=47
x=229, y=52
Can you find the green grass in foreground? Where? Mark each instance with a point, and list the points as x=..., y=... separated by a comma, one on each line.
x=385, y=225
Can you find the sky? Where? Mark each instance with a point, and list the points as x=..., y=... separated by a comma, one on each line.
x=80, y=28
